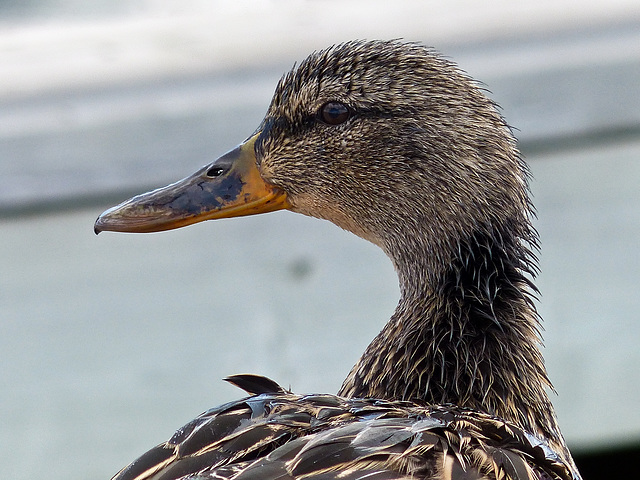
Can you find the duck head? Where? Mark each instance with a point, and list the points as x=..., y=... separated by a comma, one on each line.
x=384, y=139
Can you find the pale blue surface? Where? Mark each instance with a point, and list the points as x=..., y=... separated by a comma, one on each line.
x=109, y=343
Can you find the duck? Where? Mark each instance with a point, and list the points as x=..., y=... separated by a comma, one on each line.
x=388, y=140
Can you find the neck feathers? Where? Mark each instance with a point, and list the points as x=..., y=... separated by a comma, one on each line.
x=469, y=337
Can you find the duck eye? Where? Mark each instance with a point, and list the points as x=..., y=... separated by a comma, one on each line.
x=334, y=113
x=215, y=172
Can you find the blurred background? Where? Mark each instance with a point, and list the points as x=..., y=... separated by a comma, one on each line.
x=108, y=344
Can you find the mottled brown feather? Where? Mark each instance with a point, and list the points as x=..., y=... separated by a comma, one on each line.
x=368, y=439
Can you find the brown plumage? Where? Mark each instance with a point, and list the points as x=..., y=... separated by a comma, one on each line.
x=395, y=144
x=277, y=434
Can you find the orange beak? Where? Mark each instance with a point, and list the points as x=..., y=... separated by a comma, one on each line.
x=229, y=187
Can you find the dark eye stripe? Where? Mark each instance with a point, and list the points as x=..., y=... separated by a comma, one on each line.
x=334, y=113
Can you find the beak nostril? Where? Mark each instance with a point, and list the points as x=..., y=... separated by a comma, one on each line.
x=215, y=171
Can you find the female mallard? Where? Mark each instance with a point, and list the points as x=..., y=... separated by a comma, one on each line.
x=395, y=144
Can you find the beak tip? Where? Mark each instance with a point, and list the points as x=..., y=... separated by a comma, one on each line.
x=100, y=224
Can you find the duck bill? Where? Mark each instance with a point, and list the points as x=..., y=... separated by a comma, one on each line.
x=229, y=187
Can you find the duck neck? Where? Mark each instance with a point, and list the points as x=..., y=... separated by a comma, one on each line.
x=465, y=333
